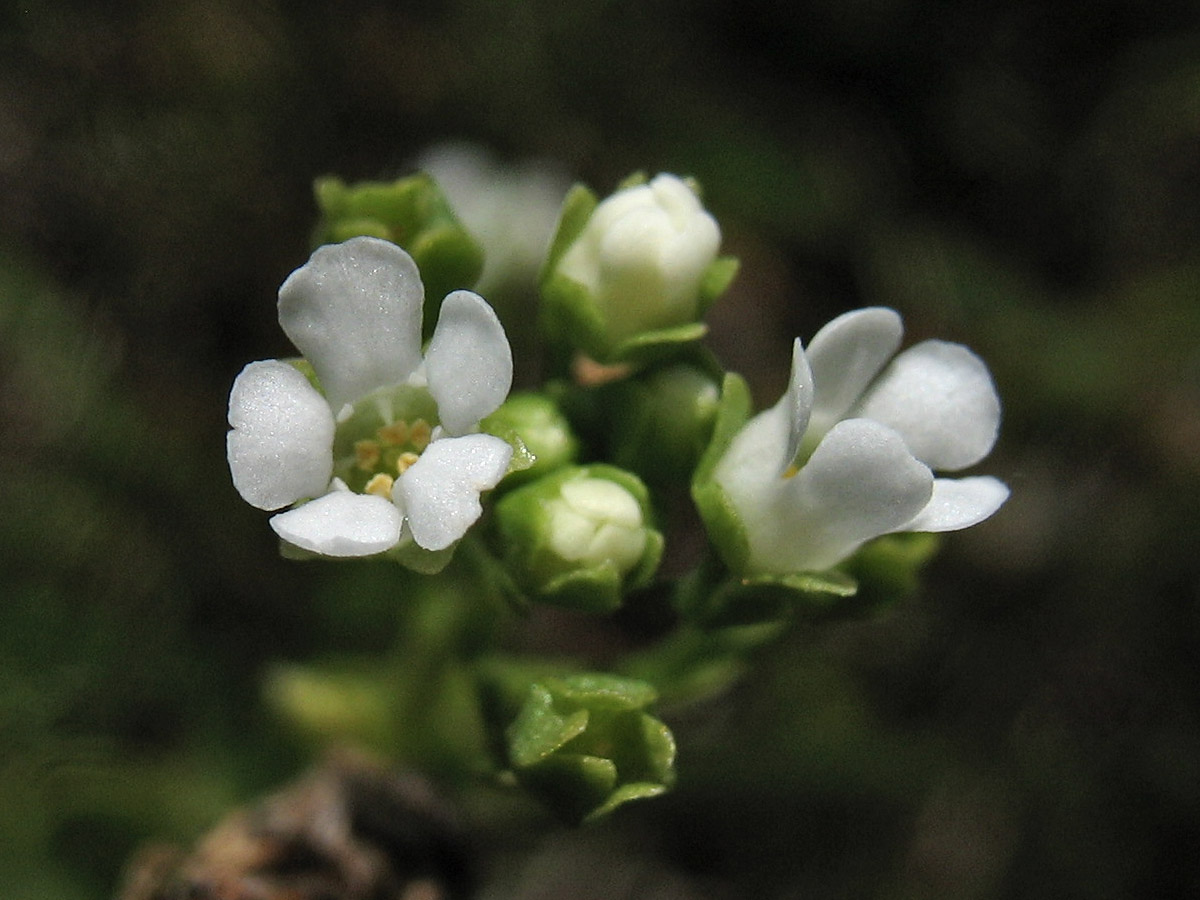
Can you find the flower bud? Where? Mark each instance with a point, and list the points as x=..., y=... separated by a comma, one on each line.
x=661, y=422
x=635, y=271
x=580, y=536
x=585, y=745
x=411, y=212
x=536, y=422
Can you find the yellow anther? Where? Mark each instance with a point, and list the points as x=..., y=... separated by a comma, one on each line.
x=419, y=434
x=404, y=461
x=381, y=486
x=791, y=470
x=396, y=433
x=366, y=454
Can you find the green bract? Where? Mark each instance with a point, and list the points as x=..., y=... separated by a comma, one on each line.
x=629, y=278
x=585, y=745
x=580, y=537
x=412, y=212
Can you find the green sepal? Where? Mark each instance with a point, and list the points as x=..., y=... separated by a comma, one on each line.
x=603, y=691
x=724, y=525
x=717, y=279
x=622, y=795
x=638, y=178
x=713, y=598
x=650, y=346
x=578, y=206
x=889, y=567
x=584, y=745
x=540, y=729
x=425, y=562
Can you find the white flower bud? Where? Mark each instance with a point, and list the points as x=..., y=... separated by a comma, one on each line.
x=594, y=521
x=643, y=255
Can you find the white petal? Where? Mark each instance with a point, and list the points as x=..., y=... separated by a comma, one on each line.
x=440, y=491
x=468, y=363
x=341, y=524
x=354, y=311
x=960, y=503
x=845, y=355
x=766, y=446
x=280, y=448
x=860, y=482
x=940, y=396
x=798, y=401
x=752, y=467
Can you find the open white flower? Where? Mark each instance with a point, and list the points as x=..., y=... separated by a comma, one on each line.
x=387, y=449
x=847, y=453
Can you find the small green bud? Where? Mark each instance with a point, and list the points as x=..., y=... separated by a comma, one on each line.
x=584, y=745
x=538, y=424
x=662, y=422
x=412, y=212
x=633, y=274
x=580, y=536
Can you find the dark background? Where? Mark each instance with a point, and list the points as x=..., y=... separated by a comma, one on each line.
x=1022, y=177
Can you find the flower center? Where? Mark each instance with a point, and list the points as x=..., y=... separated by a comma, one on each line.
x=380, y=460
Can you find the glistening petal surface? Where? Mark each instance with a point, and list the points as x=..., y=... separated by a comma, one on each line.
x=440, y=491
x=941, y=398
x=354, y=311
x=279, y=450
x=960, y=503
x=845, y=355
x=860, y=482
x=468, y=364
x=341, y=523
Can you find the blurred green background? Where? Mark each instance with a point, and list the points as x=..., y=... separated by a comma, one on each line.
x=1022, y=177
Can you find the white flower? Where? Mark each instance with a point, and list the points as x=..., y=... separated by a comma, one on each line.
x=643, y=256
x=847, y=453
x=510, y=210
x=388, y=447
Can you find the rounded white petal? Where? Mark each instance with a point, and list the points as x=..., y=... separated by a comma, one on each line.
x=341, y=524
x=354, y=311
x=960, y=503
x=845, y=355
x=861, y=482
x=280, y=448
x=440, y=491
x=468, y=364
x=941, y=398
